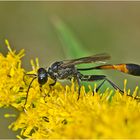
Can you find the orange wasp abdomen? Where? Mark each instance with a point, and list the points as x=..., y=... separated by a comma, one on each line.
x=132, y=69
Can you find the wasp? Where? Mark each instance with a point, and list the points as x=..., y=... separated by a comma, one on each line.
x=67, y=69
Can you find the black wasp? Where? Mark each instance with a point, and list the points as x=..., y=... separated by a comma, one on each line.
x=67, y=69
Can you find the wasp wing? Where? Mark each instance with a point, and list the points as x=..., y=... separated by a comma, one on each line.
x=89, y=59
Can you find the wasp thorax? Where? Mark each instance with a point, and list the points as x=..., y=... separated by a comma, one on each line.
x=42, y=76
x=55, y=66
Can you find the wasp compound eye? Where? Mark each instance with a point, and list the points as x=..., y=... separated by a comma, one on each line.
x=42, y=76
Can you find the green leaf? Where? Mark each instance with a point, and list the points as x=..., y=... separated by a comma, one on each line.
x=71, y=45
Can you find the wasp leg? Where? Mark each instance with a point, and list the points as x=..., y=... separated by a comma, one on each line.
x=91, y=78
x=77, y=78
x=115, y=86
x=40, y=86
x=99, y=87
x=122, y=92
x=52, y=84
x=50, y=87
x=111, y=83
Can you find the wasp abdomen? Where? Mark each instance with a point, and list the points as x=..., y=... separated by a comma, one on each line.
x=133, y=69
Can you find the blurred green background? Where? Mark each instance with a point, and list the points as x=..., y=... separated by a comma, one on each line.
x=47, y=30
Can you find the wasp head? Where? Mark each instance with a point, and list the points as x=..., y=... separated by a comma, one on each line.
x=42, y=76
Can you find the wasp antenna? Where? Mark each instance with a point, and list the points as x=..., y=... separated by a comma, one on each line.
x=28, y=91
x=25, y=74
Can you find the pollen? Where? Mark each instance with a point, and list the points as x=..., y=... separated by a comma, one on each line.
x=56, y=113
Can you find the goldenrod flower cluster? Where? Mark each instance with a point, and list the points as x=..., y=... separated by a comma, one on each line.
x=56, y=113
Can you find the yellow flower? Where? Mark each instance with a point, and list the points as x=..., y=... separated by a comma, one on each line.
x=56, y=113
